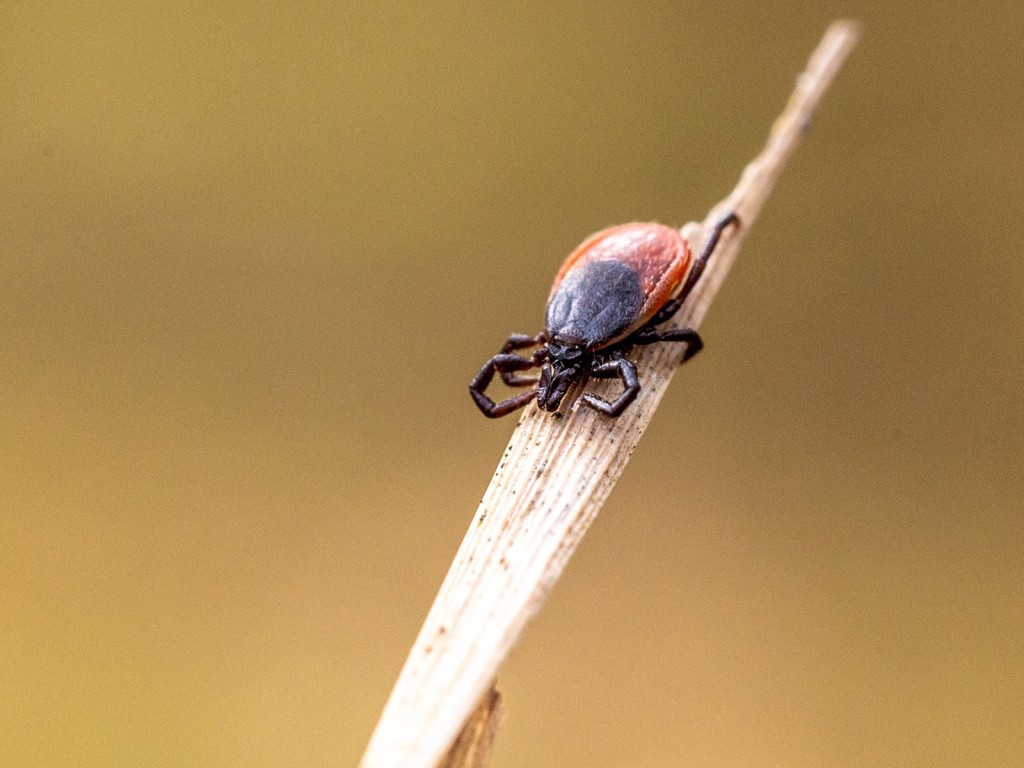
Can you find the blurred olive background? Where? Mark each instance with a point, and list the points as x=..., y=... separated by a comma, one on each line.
x=252, y=253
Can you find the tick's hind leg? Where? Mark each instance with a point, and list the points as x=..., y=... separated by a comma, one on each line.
x=503, y=363
x=673, y=305
x=615, y=368
x=690, y=337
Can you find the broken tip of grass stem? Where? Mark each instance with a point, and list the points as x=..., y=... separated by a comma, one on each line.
x=473, y=744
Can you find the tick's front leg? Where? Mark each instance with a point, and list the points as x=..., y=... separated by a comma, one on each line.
x=521, y=341
x=618, y=368
x=503, y=363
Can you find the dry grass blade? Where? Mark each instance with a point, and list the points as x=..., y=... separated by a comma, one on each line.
x=551, y=482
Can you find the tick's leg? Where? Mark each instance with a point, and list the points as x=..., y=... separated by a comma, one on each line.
x=499, y=364
x=520, y=341
x=692, y=339
x=618, y=368
x=672, y=306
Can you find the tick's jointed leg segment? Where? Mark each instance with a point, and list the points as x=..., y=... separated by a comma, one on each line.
x=673, y=305
x=690, y=337
x=502, y=363
x=616, y=368
x=520, y=341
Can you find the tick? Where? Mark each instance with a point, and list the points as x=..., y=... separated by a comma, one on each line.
x=610, y=295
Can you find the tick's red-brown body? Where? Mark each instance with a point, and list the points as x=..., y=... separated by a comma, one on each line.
x=628, y=272
x=611, y=294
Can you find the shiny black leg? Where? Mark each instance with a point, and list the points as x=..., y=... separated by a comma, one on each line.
x=521, y=341
x=617, y=368
x=500, y=364
x=690, y=337
x=672, y=306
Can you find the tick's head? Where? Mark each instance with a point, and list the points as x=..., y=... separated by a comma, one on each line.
x=565, y=366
